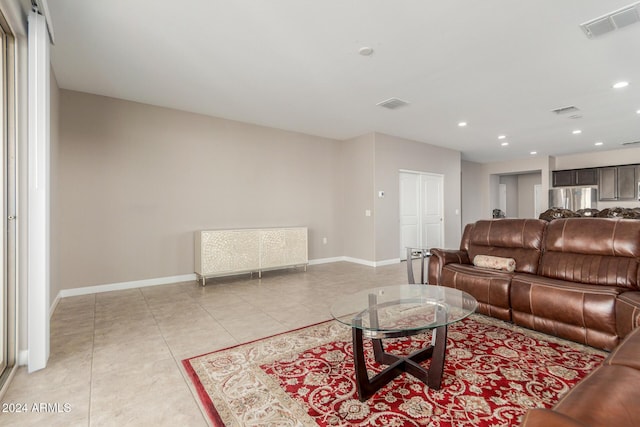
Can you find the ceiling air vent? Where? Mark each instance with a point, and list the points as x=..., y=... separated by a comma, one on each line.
x=631, y=143
x=392, y=103
x=566, y=110
x=611, y=21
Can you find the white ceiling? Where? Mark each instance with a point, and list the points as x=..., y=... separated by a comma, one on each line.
x=500, y=65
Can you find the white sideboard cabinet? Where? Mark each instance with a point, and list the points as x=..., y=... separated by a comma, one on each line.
x=226, y=252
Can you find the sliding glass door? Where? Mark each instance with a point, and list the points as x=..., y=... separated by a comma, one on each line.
x=7, y=202
x=4, y=308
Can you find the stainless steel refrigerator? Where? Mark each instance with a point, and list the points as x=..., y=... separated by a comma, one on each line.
x=573, y=198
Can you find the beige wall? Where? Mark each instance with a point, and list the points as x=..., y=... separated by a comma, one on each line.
x=511, y=183
x=520, y=194
x=357, y=160
x=487, y=179
x=135, y=181
x=620, y=156
x=132, y=182
x=393, y=154
x=526, y=194
x=471, y=175
x=54, y=261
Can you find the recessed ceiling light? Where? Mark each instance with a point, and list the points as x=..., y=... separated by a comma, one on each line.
x=462, y=124
x=533, y=153
x=502, y=136
x=599, y=143
x=576, y=132
x=620, y=85
x=365, y=51
x=638, y=112
x=504, y=144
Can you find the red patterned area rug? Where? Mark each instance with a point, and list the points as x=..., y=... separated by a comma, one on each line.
x=494, y=372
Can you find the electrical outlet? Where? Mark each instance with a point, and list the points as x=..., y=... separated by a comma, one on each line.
x=324, y=240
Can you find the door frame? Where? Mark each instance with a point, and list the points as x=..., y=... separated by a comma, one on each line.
x=403, y=250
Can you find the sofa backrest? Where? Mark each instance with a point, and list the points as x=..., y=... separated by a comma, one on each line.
x=520, y=239
x=598, y=251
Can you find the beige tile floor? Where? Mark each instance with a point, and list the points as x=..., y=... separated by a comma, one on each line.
x=115, y=356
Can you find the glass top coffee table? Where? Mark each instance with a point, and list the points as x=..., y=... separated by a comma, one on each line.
x=401, y=311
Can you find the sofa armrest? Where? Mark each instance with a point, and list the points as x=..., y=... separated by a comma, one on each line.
x=540, y=417
x=441, y=257
x=626, y=354
x=627, y=312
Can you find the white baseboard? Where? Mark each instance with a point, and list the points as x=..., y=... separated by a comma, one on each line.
x=87, y=290
x=23, y=357
x=388, y=262
x=326, y=260
x=54, y=305
x=372, y=263
x=359, y=261
x=126, y=285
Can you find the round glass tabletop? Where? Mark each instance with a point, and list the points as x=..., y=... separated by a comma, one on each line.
x=403, y=310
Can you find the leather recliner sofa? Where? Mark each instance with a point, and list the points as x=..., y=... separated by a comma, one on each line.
x=574, y=278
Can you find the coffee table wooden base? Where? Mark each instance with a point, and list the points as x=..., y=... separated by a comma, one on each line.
x=398, y=364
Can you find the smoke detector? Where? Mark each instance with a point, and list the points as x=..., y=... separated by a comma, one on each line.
x=612, y=21
x=392, y=103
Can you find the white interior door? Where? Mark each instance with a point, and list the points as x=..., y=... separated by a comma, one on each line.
x=421, y=211
x=431, y=206
x=409, y=212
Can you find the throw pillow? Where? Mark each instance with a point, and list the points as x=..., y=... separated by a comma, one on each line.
x=495, y=262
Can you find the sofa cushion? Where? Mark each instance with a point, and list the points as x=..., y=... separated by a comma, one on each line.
x=578, y=312
x=520, y=239
x=489, y=287
x=597, y=251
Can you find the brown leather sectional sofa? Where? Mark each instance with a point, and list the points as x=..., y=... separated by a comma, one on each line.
x=574, y=278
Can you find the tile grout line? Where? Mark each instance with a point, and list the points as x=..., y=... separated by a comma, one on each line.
x=93, y=350
x=173, y=355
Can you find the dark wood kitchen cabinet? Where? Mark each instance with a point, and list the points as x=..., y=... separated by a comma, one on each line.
x=565, y=178
x=587, y=176
x=627, y=183
x=608, y=185
x=618, y=183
